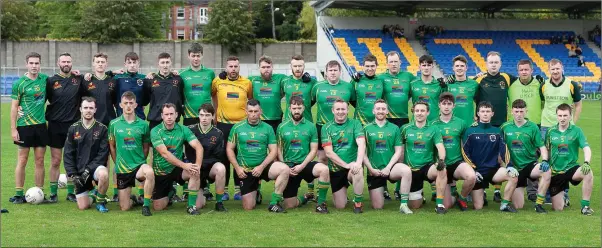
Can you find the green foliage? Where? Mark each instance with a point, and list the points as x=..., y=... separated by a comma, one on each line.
x=122, y=21
x=230, y=25
x=58, y=19
x=307, y=22
x=285, y=17
x=18, y=20
x=102, y=21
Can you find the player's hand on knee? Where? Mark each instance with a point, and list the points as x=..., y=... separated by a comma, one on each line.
x=223, y=75
x=479, y=177
x=355, y=168
x=544, y=166
x=512, y=172
x=586, y=168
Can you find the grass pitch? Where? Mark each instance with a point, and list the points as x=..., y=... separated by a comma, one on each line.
x=63, y=225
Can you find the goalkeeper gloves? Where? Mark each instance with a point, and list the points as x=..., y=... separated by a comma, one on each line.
x=440, y=165
x=544, y=166
x=586, y=168
x=512, y=172
x=442, y=83
x=357, y=76
x=540, y=79
x=306, y=78
x=223, y=75
x=80, y=180
x=479, y=177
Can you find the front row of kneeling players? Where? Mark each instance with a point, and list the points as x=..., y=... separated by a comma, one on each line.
x=476, y=154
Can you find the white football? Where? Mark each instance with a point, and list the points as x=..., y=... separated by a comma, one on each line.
x=62, y=181
x=34, y=195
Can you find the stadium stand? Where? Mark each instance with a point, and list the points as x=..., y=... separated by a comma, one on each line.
x=513, y=45
x=354, y=44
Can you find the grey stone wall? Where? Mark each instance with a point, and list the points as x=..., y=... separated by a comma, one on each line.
x=12, y=54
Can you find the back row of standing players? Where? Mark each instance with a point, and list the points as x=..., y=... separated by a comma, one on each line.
x=230, y=92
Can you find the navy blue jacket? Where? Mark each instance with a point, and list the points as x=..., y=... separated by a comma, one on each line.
x=482, y=145
x=131, y=82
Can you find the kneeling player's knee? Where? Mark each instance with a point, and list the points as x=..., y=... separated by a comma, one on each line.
x=589, y=177
x=125, y=206
x=220, y=169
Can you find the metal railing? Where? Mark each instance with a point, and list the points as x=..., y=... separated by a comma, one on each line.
x=336, y=49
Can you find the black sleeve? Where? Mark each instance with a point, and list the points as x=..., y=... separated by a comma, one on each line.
x=103, y=151
x=48, y=89
x=220, y=148
x=69, y=154
x=82, y=86
x=146, y=91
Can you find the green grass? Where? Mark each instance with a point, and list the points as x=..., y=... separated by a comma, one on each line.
x=63, y=225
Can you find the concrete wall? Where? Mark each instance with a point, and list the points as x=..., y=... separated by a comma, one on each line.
x=577, y=26
x=12, y=54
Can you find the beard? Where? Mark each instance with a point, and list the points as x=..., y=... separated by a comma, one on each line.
x=66, y=69
x=297, y=117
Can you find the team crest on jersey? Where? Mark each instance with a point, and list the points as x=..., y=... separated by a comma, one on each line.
x=502, y=84
x=96, y=134
x=213, y=140
x=155, y=84
x=175, y=83
x=492, y=138
x=91, y=86
x=139, y=82
x=57, y=85
x=111, y=85
x=74, y=81
x=76, y=136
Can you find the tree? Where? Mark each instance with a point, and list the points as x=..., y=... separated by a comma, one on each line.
x=122, y=21
x=58, y=19
x=18, y=20
x=230, y=25
x=285, y=13
x=288, y=31
x=102, y=21
x=307, y=22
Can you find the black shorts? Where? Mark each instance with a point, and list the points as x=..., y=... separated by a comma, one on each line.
x=418, y=178
x=399, y=121
x=153, y=124
x=525, y=174
x=190, y=121
x=339, y=180
x=273, y=123
x=487, y=179
x=451, y=169
x=164, y=183
x=377, y=182
x=33, y=135
x=205, y=169
x=57, y=133
x=319, y=130
x=251, y=183
x=292, y=187
x=126, y=180
x=560, y=182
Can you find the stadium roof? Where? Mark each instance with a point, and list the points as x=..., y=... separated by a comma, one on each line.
x=583, y=6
